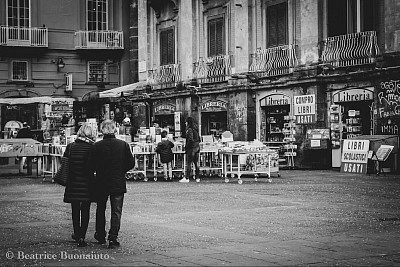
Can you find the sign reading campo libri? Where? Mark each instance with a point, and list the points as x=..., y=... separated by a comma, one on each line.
x=304, y=109
x=354, y=156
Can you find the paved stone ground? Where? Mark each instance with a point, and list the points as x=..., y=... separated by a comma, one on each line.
x=303, y=218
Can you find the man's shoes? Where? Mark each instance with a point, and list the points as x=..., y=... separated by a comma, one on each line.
x=113, y=244
x=75, y=237
x=81, y=242
x=101, y=240
x=184, y=180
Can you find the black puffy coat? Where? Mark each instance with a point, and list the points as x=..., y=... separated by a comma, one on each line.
x=80, y=181
x=192, y=141
x=113, y=159
x=164, y=149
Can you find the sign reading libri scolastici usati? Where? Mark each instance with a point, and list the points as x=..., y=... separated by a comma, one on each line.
x=355, y=156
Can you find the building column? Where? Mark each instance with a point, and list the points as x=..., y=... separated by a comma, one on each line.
x=185, y=39
x=309, y=36
x=142, y=39
x=241, y=35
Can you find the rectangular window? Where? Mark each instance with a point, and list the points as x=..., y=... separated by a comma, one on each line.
x=216, y=37
x=277, y=27
x=19, y=70
x=97, y=11
x=351, y=16
x=167, y=47
x=97, y=71
x=18, y=16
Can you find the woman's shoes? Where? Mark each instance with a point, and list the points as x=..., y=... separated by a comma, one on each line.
x=81, y=242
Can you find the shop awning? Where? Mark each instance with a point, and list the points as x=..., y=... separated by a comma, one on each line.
x=25, y=100
x=31, y=100
x=126, y=89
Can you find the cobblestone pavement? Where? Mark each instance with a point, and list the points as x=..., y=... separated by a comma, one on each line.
x=303, y=218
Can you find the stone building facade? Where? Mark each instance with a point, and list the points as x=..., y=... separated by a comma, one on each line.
x=279, y=71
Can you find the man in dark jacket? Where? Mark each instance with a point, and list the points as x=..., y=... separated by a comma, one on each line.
x=113, y=159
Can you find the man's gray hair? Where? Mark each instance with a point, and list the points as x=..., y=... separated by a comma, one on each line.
x=108, y=127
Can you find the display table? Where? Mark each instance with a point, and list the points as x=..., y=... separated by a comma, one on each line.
x=211, y=161
x=52, y=155
x=22, y=147
x=250, y=162
x=144, y=155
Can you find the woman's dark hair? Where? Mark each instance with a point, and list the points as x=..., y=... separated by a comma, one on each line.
x=190, y=122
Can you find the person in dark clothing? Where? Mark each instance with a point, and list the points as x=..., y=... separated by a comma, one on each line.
x=25, y=162
x=25, y=131
x=79, y=188
x=192, y=150
x=113, y=159
x=164, y=148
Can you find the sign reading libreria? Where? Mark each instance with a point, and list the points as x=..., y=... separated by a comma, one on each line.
x=354, y=156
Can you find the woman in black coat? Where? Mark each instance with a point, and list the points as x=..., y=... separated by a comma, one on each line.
x=192, y=149
x=79, y=187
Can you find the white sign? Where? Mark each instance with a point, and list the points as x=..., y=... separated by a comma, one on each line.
x=178, y=121
x=355, y=156
x=304, y=109
x=354, y=95
x=68, y=82
x=142, y=66
x=315, y=143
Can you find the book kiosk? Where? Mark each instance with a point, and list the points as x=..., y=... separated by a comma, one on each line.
x=383, y=156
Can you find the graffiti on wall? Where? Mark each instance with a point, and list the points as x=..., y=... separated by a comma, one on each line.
x=388, y=108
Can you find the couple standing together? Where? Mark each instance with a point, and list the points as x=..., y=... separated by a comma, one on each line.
x=110, y=158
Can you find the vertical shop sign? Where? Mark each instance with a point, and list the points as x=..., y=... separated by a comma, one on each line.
x=177, y=115
x=354, y=156
x=304, y=109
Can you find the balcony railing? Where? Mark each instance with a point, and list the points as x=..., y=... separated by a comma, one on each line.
x=213, y=69
x=99, y=40
x=20, y=36
x=274, y=61
x=351, y=49
x=165, y=76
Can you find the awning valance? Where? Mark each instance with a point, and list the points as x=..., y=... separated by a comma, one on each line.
x=126, y=89
x=31, y=100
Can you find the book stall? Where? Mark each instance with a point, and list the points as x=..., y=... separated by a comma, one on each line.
x=249, y=158
x=143, y=154
x=146, y=159
x=22, y=147
x=211, y=161
x=52, y=154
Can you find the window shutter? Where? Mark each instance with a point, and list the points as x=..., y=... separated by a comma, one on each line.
x=216, y=44
x=167, y=47
x=281, y=24
x=272, y=27
x=277, y=25
x=211, y=38
x=220, y=37
x=171, y=47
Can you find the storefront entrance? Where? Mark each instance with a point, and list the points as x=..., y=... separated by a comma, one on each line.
x=23, y=113
x=214, y=117
x=166, y=121
x=350, y=117
x=275, y=121
x=213, y=123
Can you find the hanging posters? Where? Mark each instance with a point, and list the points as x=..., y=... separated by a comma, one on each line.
x=354, y=156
